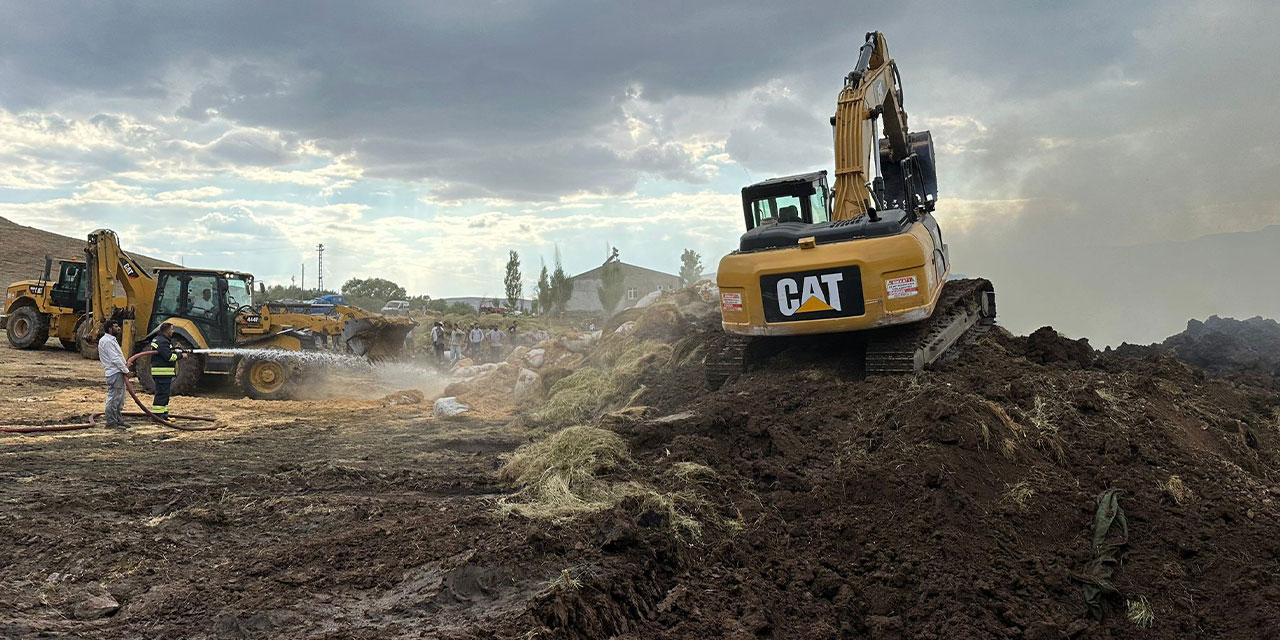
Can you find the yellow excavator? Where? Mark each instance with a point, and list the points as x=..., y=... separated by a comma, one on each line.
x=213, y=309
x=866, y=256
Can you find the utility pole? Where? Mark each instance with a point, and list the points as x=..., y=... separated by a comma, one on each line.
x=304, y=276
x=320, y=267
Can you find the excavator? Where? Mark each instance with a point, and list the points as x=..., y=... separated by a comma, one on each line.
x=213, y=309
x=865, y=256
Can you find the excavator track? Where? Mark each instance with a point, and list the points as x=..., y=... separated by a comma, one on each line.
x=966, y=309
x=726, y=357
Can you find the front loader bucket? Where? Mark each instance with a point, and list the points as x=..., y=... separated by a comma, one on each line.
x=376, y=337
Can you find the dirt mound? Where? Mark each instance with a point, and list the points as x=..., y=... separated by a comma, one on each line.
x=26, y=247
x=961, y=502
x=1223, y=345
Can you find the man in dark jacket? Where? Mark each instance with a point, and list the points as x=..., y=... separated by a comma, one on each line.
x=163, y=367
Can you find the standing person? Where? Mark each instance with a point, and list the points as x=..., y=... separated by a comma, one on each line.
x=456, y=339
x=477, y=336
x=163, y=363
x=437, y=340
x=495, y=343
x=117, y=370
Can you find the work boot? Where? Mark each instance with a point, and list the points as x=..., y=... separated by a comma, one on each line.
x=118, y=426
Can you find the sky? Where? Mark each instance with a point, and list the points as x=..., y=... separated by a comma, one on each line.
x=421, y=141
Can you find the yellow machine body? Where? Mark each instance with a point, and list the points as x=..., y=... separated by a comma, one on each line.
x=888, y=267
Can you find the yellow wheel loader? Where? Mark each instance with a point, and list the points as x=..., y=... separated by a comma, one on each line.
x=866, y=256
x=36, y=310
x=212, y=310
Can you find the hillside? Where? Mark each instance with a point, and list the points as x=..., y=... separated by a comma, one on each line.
x=22, y=251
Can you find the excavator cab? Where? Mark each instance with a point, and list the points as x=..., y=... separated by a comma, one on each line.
x=802, y=198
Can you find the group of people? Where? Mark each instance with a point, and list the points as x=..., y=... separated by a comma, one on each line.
x=479, y=344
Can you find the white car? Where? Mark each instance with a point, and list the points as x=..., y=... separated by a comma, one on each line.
x=395, y=308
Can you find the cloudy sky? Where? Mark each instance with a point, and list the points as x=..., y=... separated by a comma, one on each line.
x=420, y=141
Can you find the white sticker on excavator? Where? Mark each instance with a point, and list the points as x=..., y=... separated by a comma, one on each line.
x=731, y=301
x=901, y=287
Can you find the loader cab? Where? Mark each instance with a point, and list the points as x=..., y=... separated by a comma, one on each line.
x=71, y=289
x=209, y=299
x=801, y=198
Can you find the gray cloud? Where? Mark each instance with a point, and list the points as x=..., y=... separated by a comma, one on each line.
x=1111, y=123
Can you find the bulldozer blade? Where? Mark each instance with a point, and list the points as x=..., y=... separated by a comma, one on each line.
x=376, y=337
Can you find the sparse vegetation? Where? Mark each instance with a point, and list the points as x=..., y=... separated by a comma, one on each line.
x=1139, y=612
x=1177, y=489
x=1019, y=493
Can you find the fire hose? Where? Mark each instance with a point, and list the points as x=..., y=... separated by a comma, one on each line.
x=147, y=413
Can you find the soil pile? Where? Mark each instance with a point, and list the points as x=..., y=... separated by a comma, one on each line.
x=1224, y=345
x=959, y=503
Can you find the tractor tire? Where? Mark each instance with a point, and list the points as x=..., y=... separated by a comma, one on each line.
x=268, y=378
x=86, y=340
x=28, y=328
x=188, y=370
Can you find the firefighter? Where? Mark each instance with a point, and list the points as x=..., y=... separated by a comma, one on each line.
x=163, y=363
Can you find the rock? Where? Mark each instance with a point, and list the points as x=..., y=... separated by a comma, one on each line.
x=473, y=371
x=527, y=382
x=648, y=300
x=578, y=343
x=535, y=358
x=465, y=362
x=626, y=328
x=448, y=407
x=94, y=607
x=517, y=355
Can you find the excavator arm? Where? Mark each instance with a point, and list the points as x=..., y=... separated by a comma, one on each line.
x=873, y=174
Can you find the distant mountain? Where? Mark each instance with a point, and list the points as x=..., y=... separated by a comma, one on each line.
x=22, y=252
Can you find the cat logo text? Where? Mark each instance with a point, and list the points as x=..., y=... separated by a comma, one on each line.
x=809, y=294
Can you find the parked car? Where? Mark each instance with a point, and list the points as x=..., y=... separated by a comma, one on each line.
x=395, y=308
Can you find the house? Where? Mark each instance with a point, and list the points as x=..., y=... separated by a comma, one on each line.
x=637, y=282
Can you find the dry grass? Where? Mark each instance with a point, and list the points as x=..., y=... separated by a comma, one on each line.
x=564, y=582
x=576, y=397
x=561, y=475
x=580, y=396
x=1139, y=612
x=1019, y=493
x=1177, y=489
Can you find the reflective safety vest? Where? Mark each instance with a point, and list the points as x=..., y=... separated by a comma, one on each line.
x=162, y=361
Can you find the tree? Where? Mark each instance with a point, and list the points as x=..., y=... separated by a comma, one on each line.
x=690, y=267
x=277, y=292
x=460, y=308
x=372, y=293
x=544, y=294
x=439, y=305
x=561, y=286
x=515, y=289
x=610, y=290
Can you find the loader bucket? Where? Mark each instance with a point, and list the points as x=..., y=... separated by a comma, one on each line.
x=376, y=337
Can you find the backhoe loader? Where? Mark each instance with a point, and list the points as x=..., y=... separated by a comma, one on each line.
x=36, y=310
x=865, y=257
x=213, y=309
